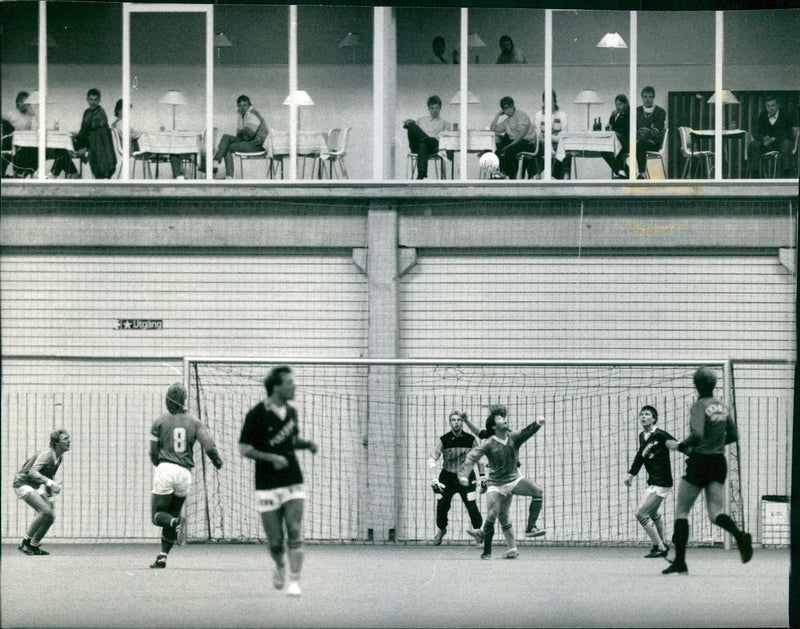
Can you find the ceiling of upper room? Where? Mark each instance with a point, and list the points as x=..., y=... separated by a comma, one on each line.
x=91, y=32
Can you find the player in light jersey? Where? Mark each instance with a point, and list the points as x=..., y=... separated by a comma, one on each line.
x=453, y=447
x=270, y=436
x=711, y=427
x=501, y=448
x=654, y=455
x=35, y=485
x=172, y=440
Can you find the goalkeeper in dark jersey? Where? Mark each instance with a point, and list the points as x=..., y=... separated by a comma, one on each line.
x=712, y=427
x=654, y=455
x=172, y=440
x=501, y=448
x=453, y=447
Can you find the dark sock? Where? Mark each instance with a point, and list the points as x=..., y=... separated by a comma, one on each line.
x=534, y=510
x=163, y=519
x=724, y=520
x=488, y=534
x=680, y=537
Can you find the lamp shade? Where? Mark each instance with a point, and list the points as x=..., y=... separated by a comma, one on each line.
x=220, y=41
x=300, y=98
x=173, y=97
x=727, y=98
x=612, y=40
x=474, y=41
x=587, y=97
x=471, y=99
x=351, y=40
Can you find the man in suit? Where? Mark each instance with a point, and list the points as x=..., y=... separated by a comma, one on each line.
x=773, y=132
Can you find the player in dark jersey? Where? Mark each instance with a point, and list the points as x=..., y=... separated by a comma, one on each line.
x=712, y=427
x=35, y=485
x=453, y=447
x=172, y=440
x=270, y=437
x=654, y=455
x=501, y=448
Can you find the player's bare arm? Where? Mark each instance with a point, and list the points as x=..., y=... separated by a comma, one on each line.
x=248, y=451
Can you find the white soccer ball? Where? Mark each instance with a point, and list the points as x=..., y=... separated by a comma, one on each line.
x=489, y=162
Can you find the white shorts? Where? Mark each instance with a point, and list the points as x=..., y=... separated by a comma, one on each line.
x=272, y=499
x=506, y=489
x=661, y=492
x=170, y=478
x=23, y=491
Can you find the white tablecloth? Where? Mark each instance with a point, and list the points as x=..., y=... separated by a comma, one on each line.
x=592, y=142
x=478, y=141
x=55, y=139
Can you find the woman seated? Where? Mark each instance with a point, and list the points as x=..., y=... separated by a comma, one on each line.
x=619, y=122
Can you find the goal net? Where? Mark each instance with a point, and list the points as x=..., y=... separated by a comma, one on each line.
x=377, y=421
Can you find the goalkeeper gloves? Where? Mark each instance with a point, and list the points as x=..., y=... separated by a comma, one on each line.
x=484, y=485
x=437, y=487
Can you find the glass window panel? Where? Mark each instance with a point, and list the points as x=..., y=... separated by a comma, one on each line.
x=19, y=54
x=515, y=71
x=591, y=67
x=254, y=64
x=681, y=71
x=168, y=93
x=334, y=56
x=428, y=41
x=760, y=61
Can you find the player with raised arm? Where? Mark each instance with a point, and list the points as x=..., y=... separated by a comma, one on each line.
x=654, y=455
x=501, y=448
x=453, y=447
x=270, y=437
x=711, y=428
x=34, y=484
x=172, y=440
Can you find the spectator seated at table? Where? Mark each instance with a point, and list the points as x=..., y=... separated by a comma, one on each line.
x=423, y=135
x=651, y=121
x=773, y=132
x=251, y=132
x=619, y=123
x=26, y=158
x=508, y=53
x=514, y=134
x=561, y=168
x=93, y=142
x=439, y=55
x=117, y=124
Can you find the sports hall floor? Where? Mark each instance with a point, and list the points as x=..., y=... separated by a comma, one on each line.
x=223, y=585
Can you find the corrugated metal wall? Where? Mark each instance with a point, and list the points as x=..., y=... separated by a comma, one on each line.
x=615, y=307
x=243, y=305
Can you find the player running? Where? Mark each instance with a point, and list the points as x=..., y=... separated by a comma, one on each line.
x=654, y=455
x=453, y=447
x=712, y=427
x=270, y=437
x=34, y=484
x=501, y=448
x=172, y=440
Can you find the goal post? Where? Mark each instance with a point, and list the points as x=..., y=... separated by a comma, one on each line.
x=370, y=480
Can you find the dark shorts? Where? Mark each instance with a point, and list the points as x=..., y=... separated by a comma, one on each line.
x=702, y=469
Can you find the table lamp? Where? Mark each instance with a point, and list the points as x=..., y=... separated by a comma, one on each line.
x=474, y=41
x=727, y=99
x=588, y=98
x=352, y=41
x=301, y=99
x=220, y=41
x=174, y=98
x=612, y=40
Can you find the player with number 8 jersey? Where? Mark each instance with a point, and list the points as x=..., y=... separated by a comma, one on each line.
x=172, y=440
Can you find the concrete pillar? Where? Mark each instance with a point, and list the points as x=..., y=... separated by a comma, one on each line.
x=383, y=484
x=384, y=82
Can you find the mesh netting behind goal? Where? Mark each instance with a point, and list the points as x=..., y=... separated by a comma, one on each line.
x=377, y=423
